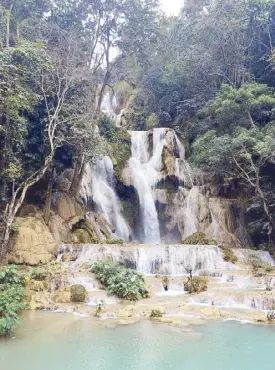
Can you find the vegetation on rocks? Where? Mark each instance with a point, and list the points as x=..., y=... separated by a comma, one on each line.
x=258, y=267
x=228, y=254
x=12, y=293
x=114, y=241
x=196, y=284
x=198, y=238
x=120, y=281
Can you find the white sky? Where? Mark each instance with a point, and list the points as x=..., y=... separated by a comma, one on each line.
x=172, y=7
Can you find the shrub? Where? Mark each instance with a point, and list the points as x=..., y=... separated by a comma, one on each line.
x=11, y=294
x=198, y=238
x=257, y=264
x=271, y=316
x=228, y=254
x=196, y=284
x=115, y=241
x=155, y=314
x=39, y=274
x=78, y=293
x=120, y=281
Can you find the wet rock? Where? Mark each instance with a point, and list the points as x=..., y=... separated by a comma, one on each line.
x=69, y=257
x=62, y=296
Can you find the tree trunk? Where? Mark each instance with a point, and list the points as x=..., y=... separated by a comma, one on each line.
x=77, y=172
x=18, y=197
x=8, y=21
x=48, y=202
x=264, y=202
x=252, y=123
x=101, y=95
x=18, y=24
x=80, y=178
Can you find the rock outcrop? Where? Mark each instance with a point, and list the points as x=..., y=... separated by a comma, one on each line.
x=34, y=243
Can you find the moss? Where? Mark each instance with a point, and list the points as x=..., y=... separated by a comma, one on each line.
x=196, y=284
x=114, y=241
x=78, y=293
x=122, y=152
x=155, y=314
x=228, y=254
x=198, y=238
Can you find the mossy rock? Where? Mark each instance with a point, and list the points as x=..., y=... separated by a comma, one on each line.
x=198, y=238
x=62, y=296
x=78, y=293
x=81, y=236
x=69, y=257
x=155, y=314
x=115, y=241
x=196, y=284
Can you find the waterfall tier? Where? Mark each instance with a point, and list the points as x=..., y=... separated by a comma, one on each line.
x=160, y=259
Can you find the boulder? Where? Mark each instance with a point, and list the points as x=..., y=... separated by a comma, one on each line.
x=60, y=229
x=67, y=207
x=62, y=296
x=78, y=293
x=63, y=182
x=34, y=243
x=81, y=236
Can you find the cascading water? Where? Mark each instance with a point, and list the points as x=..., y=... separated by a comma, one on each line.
x=145, y=176
x=105, y=198
x=169, y=260
x=146, y=169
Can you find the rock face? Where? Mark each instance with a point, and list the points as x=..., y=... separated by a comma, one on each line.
x=67, y=207
x=159, y=159
x=34, y=244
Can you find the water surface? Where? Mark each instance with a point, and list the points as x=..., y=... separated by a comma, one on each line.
x=51, y=341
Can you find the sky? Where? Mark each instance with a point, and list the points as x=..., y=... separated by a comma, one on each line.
x=172, y=7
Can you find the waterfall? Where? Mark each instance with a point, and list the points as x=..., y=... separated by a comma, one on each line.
x=105, y=198
x=144, y=171
x=171, y=260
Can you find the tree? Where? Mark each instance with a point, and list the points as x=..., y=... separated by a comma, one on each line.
x=242, y=157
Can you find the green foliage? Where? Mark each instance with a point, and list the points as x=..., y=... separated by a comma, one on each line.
x=151, y=121
x=115, y=241
x=11, y=295
x=228, y=254
x=78, y=293
x=198, y=238
x=122, y=282
x=107, y=127
x=196, y=284
x=155, y=314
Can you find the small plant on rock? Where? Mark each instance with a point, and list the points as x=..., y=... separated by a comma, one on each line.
x=228, y=254
x=198, y=238
x=99, y=308
x=115, y=241
x=258, y=267
x=197, y=284
x=155, y=314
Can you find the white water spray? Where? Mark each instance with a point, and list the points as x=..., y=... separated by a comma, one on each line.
x=105, y=198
